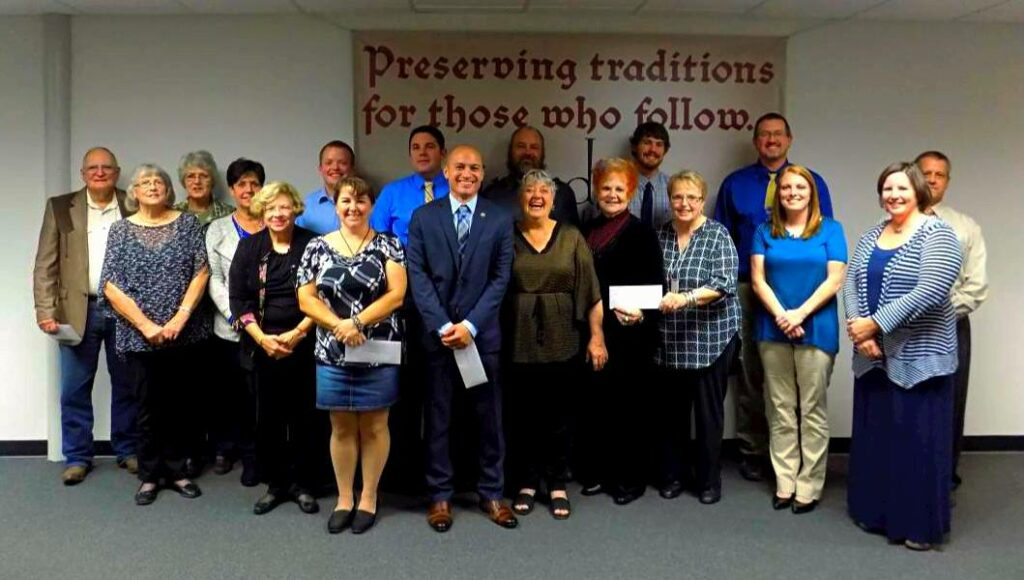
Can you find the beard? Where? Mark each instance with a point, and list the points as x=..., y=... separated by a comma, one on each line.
x=525, y=164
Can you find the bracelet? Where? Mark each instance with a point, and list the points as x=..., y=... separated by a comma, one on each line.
x=358, y=323
x=691, y=299
x=185, y=309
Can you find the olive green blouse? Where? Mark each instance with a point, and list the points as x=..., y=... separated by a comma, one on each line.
x=550, y=295
x=217, y=209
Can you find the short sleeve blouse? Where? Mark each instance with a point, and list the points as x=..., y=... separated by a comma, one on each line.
x=348, y=285
x=154, y=265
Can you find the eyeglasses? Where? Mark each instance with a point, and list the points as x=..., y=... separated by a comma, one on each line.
x=97, y=168
x=689, y=199
x=150, y=182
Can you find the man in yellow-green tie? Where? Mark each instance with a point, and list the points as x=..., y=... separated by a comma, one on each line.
x=743, y=203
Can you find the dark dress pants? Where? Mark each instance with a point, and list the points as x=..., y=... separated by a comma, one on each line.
x=165, y=409
x=538, y=423
x=702, y=392
x=289, y=442
x=231, y=418
x=446, y=395
x=960, y=380
x=404, y=470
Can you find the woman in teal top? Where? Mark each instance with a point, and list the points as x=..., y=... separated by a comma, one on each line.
x=797, y=262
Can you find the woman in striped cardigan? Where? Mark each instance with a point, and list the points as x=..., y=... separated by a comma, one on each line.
x=900, y=319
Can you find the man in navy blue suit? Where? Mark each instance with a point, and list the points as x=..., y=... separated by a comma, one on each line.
x=460, y=260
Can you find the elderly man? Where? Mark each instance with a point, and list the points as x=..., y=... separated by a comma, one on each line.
x=460, y=260
x=337, y=161
x=72, y=243
x=743, y=203
x=969, y=290
x=526, y=152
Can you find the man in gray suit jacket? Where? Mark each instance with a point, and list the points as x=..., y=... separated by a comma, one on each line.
x=72, y=243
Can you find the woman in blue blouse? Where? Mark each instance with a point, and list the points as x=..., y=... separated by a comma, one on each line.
x=901, y=321
x=154, y=274
x=796, y=268
x=352, y=283
x=699, y=333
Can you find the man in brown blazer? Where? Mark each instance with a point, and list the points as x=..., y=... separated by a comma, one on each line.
x=72, y=244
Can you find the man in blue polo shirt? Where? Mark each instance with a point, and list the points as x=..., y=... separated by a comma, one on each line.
x=396, y=202
x=337, y=161
x=742, y=204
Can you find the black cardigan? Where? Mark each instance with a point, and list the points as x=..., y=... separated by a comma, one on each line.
x=243, y=278
x=632, y=258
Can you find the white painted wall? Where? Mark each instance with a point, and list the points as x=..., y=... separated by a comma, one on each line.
x=275, y=88
x=862, y=95
x=27, y=368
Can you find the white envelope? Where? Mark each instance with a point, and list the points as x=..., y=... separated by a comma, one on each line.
x=66, y=335
x=646, y=297
x=470, y=366
x=385, y=352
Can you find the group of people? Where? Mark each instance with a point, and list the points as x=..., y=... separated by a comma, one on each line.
x=519, y=328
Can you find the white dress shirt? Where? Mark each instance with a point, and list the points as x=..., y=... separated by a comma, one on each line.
x=971, y=287
x=99, y=219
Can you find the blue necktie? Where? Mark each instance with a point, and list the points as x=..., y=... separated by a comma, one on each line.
x=462, y=228
x=647, y=205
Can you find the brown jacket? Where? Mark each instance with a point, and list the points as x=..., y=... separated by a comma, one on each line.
x=60, y=280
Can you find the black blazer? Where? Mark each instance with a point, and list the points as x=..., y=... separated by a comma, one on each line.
x=244, y=282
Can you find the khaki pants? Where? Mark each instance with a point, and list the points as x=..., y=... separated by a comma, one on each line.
x=796, y=379
x=751, y=425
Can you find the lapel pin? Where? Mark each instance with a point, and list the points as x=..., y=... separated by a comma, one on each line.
x=483, y=214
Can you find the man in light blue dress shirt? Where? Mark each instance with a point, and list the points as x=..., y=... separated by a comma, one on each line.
x=649, y=145
x=337, y=161
x=394, y=206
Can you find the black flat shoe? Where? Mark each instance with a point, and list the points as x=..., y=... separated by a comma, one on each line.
x=752, y=469
x=803, y=508
x=591, y=489
x=524, y=503
x=627, y=496
x=266, y=503
x=560, y=504
x=145, y=497
x=671, y=490
x=710, y=496
x=188, y=491
x=781, y=503
x=307, y=503
x=363, y=521
x=193, y=468
x=340, y=520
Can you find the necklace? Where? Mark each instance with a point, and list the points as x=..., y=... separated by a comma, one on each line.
x=361, y=242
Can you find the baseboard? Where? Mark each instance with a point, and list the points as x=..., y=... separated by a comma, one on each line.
x=36, y=448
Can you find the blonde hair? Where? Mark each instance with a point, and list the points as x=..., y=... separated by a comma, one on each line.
x=272, y=191
x=778, y=216
x=692, y=177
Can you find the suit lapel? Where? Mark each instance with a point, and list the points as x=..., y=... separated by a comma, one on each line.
x=120, y=196
x=444, y=210
x=78, y=212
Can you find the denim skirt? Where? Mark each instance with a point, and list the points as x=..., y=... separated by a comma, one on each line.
x=356, y=388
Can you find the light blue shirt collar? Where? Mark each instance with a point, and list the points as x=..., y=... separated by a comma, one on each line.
x=456, y=203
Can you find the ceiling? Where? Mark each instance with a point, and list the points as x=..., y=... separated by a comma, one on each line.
x=1006, y=11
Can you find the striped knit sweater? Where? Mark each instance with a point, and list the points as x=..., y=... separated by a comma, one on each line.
x=918, y=326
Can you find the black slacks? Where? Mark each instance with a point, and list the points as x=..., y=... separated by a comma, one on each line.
x=290, y=440
x=166, y=411
x=537, y=423
x=231, y=418
x=960, y=380
x=702, y=392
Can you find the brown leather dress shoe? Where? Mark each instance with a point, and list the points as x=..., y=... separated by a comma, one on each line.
x=74, y=474
x=499, y=513
x=439, y=516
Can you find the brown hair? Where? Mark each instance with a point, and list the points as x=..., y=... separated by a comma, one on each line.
x=921, y=190
x=359, y=188
x=778, y=216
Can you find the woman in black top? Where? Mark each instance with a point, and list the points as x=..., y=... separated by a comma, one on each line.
x=626, y=253
x=264, y=304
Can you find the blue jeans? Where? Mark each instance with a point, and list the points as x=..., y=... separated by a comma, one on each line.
x=77, y=370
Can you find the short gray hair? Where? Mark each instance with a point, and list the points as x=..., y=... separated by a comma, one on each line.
x=143, y=170
x=201, y=159
x=538, y=176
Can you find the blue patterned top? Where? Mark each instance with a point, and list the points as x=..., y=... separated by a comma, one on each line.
x=914, y=312
x=348, y=285
x=693, y=338
x=153, y=265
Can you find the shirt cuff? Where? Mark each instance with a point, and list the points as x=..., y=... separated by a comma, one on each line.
x=469, y=326
x=443, y=329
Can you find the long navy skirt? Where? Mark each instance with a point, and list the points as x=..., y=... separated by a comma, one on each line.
x=900, y=457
